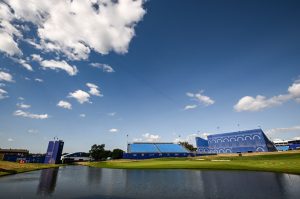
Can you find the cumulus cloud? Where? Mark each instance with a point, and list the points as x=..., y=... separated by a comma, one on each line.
x=64, y=104
x=113, y=130
x=151, y=137
x=36, y=57
x=38, y=80
x=81, y=96
x=102, y=26
x=8, y=45
x=23, y=106
x=82, y=115
x=104, y=67
x=3, y=94
x=260, y=102
x=10, y=139
x=4, y=76
x=199, y=97
x=276, y=131
x=21, y=113
x=23, y=63
x=188, y=107
x=93, y=89
x=59, y=65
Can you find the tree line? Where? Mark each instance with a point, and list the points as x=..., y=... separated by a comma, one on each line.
x=98, y=153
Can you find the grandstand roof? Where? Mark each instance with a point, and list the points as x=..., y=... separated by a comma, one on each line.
x=160, y=147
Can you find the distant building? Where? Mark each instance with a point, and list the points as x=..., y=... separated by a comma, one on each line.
x=235, y=142
x=287, y=145
x=54, y=152
x=76, y=157
x=13, y=152
x=145, y=150
x=294, y=144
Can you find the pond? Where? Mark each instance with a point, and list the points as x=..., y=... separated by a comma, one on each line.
x=86, y=182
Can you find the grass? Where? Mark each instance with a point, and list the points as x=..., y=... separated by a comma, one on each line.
x=7, y=168
x=288, y=162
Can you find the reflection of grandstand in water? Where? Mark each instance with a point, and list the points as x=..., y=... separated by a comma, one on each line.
x=235, y=142
x=47, y=182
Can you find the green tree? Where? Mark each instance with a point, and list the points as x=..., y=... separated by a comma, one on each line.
x=117, y=154
x=97, y=152
x=188, y=146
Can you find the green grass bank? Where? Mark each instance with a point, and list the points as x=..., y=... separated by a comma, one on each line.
x=7, y=168
x=283, y=162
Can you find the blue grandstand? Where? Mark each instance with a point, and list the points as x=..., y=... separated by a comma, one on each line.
x=236, y=142
x=142, y=150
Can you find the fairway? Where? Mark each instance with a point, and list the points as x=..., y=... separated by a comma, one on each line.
x=275, y=162
x=7, y=168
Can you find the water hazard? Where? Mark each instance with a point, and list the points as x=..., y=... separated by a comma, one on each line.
x=85, y=182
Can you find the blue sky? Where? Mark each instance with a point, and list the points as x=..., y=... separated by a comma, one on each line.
x=155, y=71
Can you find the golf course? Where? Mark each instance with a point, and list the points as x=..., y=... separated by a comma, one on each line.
x=282, y=162
x=7, y=168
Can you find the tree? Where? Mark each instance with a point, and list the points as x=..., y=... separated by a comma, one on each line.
x=117, y=154
x=97, y=152
x=188, y=146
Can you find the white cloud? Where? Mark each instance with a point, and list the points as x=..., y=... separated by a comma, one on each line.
x=188, y=107
x=81, y=96
x=21, y=98
x=23, y=106
x=93, y=89
x=296, y=138
x=36, y=57
x=189, y=138
x=3, y=94
x=8, y=45
x=73, y=28
x=104, y=67
x=294, y=89
x=293, y=129
x=10, y=139
x=64, y=104
x=4, y=76
x=82, y=115
x=113, y=130
x=62, y=65
x=199, y=97
x=112, y=114
x=137, y=139
x=23, y=63
x=21, y=113
x=249, y=103
x=32, y=131
x=7, y=32
x=151, y=137
x=38, y=80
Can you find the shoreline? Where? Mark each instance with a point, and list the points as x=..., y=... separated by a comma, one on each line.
x=11, y=168
x=286, y=162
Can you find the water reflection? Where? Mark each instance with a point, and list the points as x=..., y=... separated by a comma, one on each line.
x=94, y=178
x=86, y=182
x=47, y=182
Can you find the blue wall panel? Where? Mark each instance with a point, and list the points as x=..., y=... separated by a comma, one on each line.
x=154, y=155
x=54, y=152
x=236, y=142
